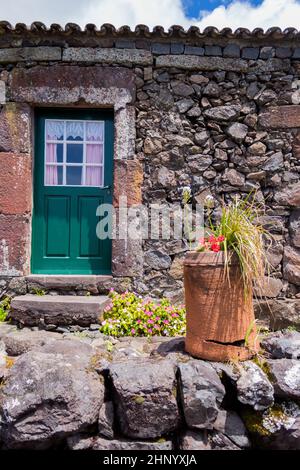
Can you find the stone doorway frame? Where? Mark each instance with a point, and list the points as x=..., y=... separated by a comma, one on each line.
x=74, y=86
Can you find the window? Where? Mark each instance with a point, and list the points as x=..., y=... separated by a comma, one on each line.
x=74, y=153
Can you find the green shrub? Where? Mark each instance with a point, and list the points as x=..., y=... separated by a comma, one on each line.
x=4, y=308
x=131, y=315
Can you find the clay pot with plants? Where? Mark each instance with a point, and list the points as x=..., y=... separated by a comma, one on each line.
x=218, y=279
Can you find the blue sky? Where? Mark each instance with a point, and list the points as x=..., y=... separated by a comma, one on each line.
x=192, y=8
x=202, y=13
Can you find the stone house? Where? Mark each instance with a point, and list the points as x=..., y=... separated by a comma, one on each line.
x=88, y=116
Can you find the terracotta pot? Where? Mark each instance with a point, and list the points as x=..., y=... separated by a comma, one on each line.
x=218, y=312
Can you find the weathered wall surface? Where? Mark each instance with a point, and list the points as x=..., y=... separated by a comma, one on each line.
x=217, y=111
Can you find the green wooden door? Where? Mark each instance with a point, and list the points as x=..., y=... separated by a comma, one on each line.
x=73, y=175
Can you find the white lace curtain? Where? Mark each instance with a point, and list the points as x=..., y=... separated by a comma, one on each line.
x=94, y=131
x=55, y=130
x=75, y=129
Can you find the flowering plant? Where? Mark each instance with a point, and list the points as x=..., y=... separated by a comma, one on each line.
x=211, y=243
x=132, y=315
x=238, y=232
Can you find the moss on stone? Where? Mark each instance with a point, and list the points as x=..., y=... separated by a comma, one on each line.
x=261, y=423
x=254, y=423
x=262, y=363
x=139, y=400
x=9, y=362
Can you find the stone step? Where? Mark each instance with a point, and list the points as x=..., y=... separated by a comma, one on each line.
x=33, y=310
x=95, y=284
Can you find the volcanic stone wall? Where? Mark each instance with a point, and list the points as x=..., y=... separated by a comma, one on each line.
x=217, y=111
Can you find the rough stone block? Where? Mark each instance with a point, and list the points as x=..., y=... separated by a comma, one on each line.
x=177, y=48
x=267, y=52
x=270, y=65
x=62, y=283
x=283, y=52
x=193, y=62
x=127, y=258
x=145, y=395
x=289, y=196
x=21, y=341
x=213, y=50
x=2, y=92
x=108, y=56
x=40, y=53
x=124, y=44
x=250, y=53
x=201, y=393
x=15, y=183
x=194, y=50
x=14, y=244
x=160, y=48
x=232, y=50
x=291, y=265
x=278, y=313
x=58, y=309
x=296, y=54
x=269, y=287
x=128, y=178
x=125, y=132
x=63, y=84
x=15, y=128
x=67, y=395
x=280, y=117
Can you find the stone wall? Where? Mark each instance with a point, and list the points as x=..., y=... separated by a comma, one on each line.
x=95, y=392
x=218, y=111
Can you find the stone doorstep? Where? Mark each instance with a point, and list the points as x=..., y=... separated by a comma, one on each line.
x=71, y=282
x=33, y=310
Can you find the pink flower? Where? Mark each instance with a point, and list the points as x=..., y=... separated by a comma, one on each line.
x=147, y=312
x=138, y=321
x=174, y=315
x=133, y=331
x=166, y=322
x=157, y=327
x=149, y=330
x=157, y=318
x=150, y=321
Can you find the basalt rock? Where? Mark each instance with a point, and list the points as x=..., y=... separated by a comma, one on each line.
x=50, y=394
x=145, y=397
x=202, y=394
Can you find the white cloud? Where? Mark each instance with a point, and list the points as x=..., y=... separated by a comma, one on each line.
x=282, y=13
x=238, y=13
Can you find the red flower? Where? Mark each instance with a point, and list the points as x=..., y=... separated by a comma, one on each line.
x=220, y=238
x=212, y=239
x=215, y=247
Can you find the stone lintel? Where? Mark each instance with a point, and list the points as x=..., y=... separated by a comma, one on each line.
x=68, y=85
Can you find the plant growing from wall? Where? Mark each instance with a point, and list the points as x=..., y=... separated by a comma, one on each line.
x=132, y=315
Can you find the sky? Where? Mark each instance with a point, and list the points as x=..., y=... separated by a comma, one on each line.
x=220, y=13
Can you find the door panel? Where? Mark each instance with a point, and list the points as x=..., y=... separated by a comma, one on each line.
x=89, y=246
x=73, y=174
x=57, y=220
